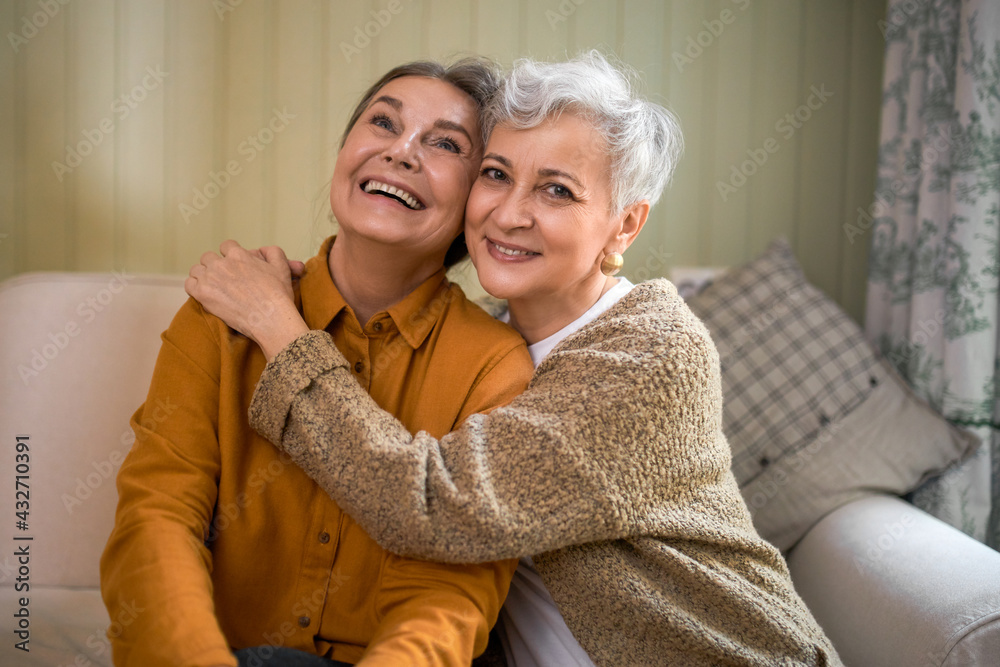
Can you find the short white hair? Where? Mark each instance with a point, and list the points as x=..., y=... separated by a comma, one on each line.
x=643, y=138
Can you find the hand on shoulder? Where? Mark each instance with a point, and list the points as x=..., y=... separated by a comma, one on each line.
x=251, y=291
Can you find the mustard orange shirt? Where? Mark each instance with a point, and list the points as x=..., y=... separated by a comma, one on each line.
x=221, y=542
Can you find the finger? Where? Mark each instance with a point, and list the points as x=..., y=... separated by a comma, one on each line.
x=197, y=271
x=190, y=283
x=274, y=255
x=228, y=246
x=296, y=267
x=208, y=258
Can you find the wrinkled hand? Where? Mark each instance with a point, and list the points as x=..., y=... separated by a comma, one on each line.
x=251, y=291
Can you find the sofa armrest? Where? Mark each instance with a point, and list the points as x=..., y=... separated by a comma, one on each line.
x=892, y=585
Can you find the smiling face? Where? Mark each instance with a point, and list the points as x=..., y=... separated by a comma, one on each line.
x=539, y=218
x=404, y=172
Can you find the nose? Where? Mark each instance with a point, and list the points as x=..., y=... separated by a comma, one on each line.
x=403, y=151
x=513, y=211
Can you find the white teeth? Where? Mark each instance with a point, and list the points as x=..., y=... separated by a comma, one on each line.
x=408, y=199
x=512, y=252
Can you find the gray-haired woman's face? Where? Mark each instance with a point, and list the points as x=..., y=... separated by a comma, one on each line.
x=538, y=222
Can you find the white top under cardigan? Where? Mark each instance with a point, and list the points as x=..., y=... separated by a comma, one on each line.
x=531, y=629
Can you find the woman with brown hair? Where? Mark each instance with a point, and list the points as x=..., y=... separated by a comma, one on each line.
x=221, y=541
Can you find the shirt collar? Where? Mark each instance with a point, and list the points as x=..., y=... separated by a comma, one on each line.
x=321, y=300
x=414, y=316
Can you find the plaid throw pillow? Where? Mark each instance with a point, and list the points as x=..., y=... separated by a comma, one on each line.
x=792, y=361
x=814, y=418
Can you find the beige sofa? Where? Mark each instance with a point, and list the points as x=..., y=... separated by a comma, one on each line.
x=891, y=585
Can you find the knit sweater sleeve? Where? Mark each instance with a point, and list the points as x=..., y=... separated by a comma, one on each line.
x=557, y=466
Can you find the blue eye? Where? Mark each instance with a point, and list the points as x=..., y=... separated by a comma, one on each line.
x=448, y=145
x=381, y=120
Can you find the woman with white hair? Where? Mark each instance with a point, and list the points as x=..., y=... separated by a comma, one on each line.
x=609, y=477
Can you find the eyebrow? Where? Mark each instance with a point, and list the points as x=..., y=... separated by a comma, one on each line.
x=443, y=124
x=391, y=101
x=555, y=172
x=440, y=124
x=499, y=158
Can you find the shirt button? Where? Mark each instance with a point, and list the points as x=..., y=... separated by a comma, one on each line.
x=377, y=326
x=304, y=621
x=324, y=537
x=358, y=366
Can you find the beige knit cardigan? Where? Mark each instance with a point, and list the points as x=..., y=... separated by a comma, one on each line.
x=611, y=471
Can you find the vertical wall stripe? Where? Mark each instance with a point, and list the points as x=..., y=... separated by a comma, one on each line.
x=24, y=261
x=862, y=152
x=728, y=33
x=823, y=106
x=845, y=133
x=797, y=189
x=271, y=57
x=119, y=230
x=522, y=26
x=70, y=120
x=11, y=155
x=170, y=30
x=709, y=168
x=752, y=120
x=620, y=27
x=681, y=207
x=776, y=92
x=473, y=24
x=221, y=106
x=92, y=88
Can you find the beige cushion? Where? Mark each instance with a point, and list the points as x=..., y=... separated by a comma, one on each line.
x=814, y=417
x=77, y=356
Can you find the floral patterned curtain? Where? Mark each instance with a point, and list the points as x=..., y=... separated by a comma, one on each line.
x=935, y=256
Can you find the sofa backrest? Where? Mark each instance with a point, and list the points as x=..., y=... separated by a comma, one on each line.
x=76, y=358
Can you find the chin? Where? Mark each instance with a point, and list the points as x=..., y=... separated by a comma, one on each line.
x=502, y=287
